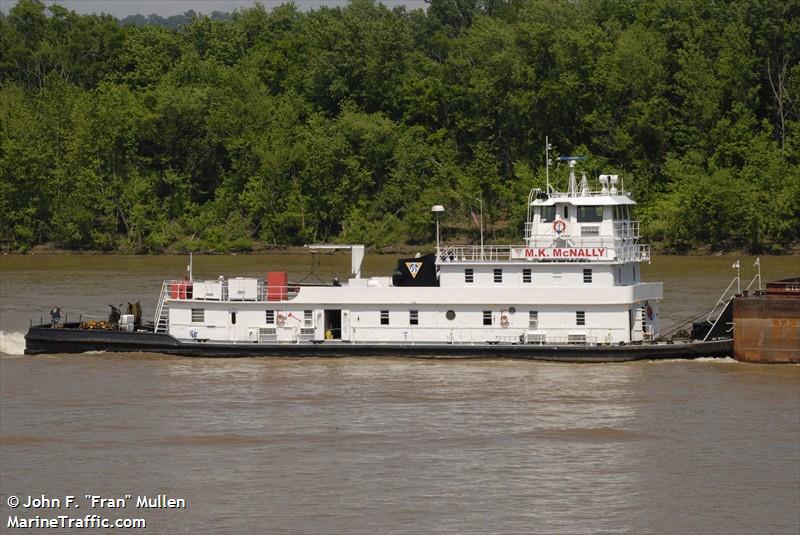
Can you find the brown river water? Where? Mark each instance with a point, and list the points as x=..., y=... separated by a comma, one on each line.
x=390, y=445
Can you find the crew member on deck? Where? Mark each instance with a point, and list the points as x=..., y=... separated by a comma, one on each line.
x=55, y=317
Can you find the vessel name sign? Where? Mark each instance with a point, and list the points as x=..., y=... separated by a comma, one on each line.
x=599, y=253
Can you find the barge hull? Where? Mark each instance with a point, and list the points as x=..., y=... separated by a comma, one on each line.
x=767, y=329
x=42, y=339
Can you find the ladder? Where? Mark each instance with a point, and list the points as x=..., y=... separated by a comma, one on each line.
x=161, y=320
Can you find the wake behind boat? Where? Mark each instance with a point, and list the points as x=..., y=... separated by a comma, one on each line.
x=572, y=291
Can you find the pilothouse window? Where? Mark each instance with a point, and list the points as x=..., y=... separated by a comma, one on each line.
x=590, y=214
x=621, y=213
x=548, y=214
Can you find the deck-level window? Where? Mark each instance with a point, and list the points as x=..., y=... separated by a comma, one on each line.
x=526, y=276
x=548, y=214
x=587, y=276
x=498, y=276
x=384, y=317
x=487, y=317
x=198, y=315
x=233, y=318
x=533, y=319
x=270, y=317
x=580, y=317
x=413, y=317
x=590, y=214
x=307, y=317
x=469, y=275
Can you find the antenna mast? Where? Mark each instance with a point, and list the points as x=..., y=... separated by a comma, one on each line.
x=547, y=148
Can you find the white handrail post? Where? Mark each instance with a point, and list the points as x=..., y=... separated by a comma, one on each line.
x=758, y=271
x=437, y=209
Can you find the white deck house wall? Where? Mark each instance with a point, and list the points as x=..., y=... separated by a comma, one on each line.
x=580, y=278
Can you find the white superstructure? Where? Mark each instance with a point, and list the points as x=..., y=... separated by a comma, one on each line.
x=575, y=280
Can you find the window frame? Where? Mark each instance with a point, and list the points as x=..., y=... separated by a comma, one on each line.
x=488, y=318
x=580, y=318
x=527, y=276
x=469, y=276
x=413, y=317
x=384, y=317
x=585, y=216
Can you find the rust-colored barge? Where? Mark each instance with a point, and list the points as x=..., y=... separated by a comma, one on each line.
x=766, y=326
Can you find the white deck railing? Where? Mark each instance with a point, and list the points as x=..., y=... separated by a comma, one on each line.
x=185, y=290
x=502, y=253
x=622, y=230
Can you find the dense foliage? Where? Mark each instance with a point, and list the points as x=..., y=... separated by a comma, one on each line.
x=285, y=127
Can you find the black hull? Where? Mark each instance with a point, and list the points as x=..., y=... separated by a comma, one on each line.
x=42, y=339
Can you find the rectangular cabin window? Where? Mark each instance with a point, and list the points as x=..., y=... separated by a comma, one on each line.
x=384, y=317
x=233, y=318
x=270, y=317
x=580, y=317
x=526, y=276
x=469, y=275
x=498, y=276
x=413, y=317
x=548, y=214
x=487, y=317
x=533, y=319
x=198, y=315
x=587, y=276
x=307, y=317
x=590, y=214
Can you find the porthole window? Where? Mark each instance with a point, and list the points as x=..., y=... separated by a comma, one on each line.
x=511, y=310
x=450, y=314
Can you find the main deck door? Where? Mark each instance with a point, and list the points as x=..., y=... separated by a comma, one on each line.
x=333, y=324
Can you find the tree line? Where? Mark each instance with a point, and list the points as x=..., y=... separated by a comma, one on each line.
x=283, y=127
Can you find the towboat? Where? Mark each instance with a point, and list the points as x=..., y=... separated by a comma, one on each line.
x=571, y=292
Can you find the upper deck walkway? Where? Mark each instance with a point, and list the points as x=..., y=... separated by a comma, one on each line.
x=598, y=251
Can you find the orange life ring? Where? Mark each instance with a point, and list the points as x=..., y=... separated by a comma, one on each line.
x=504, y=321
x=559, y=225
x=280, y=320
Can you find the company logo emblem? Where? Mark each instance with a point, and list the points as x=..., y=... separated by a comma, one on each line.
x=413, y=268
